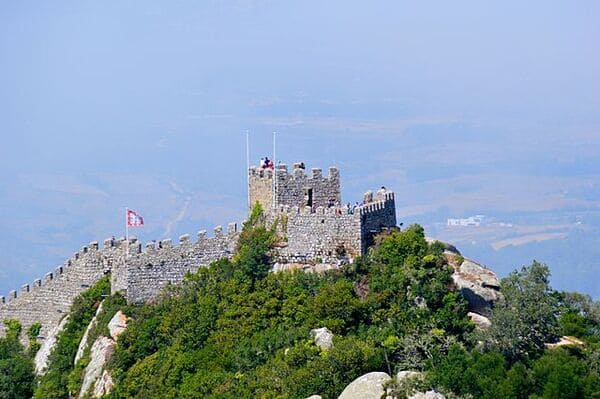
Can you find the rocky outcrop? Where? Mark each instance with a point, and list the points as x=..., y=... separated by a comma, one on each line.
x=101, y=352
x=104, y=347
x=479, y=285
x=41, y=357
x=565, y=341
x=372, y=386
x=117, y=325
x=481, y=322
x=84, y=341
x=104, y=385
x=322, y=337
x=368, y=386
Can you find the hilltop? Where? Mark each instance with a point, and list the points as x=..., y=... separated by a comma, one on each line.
x=234, y=329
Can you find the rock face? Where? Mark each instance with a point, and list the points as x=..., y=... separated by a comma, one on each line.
x=84, y=341
x=41, y=357
x=481, y=322
x=104, y=347
x=104, y=385
x=117, y=325
x=479, y=285
x=368, y=386
x=322, y=337
x=101, y=352
x=565, y=341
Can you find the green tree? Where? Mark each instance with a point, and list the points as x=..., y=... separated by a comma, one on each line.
x=526, y=317
x=253, y=254
x=16, y=367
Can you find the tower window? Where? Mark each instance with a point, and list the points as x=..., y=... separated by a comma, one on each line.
x=308, y=196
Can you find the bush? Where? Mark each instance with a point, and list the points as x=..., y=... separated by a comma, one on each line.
x=16, y=366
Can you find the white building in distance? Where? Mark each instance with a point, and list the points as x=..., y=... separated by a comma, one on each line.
x=470, y=221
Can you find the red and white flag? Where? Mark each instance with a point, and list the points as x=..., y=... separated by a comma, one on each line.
x=134, y=219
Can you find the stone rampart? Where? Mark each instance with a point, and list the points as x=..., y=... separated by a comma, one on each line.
x=321, y=233
x=378, y=213
x=48, y=299
x=140, y=278
x=328, y=233
x=150, y=269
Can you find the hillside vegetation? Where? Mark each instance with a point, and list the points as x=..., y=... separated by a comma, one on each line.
x=234, y=330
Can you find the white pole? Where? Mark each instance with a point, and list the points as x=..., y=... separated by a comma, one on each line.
x=126, y=233
x=274, y=172
x=248, y=168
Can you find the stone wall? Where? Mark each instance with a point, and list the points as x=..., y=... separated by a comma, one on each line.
x=327, y=233
x=48, y=299
x=324, y=233
x=140, y=279
x=377, y=214
x=149, y=270
x=292, y=189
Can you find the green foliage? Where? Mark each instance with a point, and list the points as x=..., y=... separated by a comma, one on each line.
x=13, y=329
x=527, y=317
x=556, y=374
x=16, y=367
x=579, y=316
x=54, y=384
x=32, y=334
x=234, y=330
x=252, y=259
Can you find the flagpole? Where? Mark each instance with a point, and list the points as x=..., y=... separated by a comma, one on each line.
x=126, y=234
x=248, y=168
x=274, y=172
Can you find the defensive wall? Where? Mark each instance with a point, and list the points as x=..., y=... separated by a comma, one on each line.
x=140, y=278
x=315, y=227
x=48, y=299
x=330, y=233
x=150, y=269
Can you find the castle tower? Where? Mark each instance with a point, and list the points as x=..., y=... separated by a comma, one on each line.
x=279, y=187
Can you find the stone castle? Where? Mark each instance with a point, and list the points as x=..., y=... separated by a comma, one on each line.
x=315, y=225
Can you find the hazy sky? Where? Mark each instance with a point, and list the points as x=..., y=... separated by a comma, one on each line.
x=114, y=99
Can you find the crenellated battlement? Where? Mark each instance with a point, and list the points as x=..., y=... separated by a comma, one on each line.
x=47, y=299
x=298, y=172
x=159, y=263
x=296, y=188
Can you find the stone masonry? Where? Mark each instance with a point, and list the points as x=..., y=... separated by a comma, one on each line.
x=311, y=217
x=314, y=225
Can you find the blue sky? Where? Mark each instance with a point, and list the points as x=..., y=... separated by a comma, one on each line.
x=463, y=107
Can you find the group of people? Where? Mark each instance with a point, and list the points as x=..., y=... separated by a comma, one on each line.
x=348, y=208
x=266, y=163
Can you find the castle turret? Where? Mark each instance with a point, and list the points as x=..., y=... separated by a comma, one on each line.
x=278, y=187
